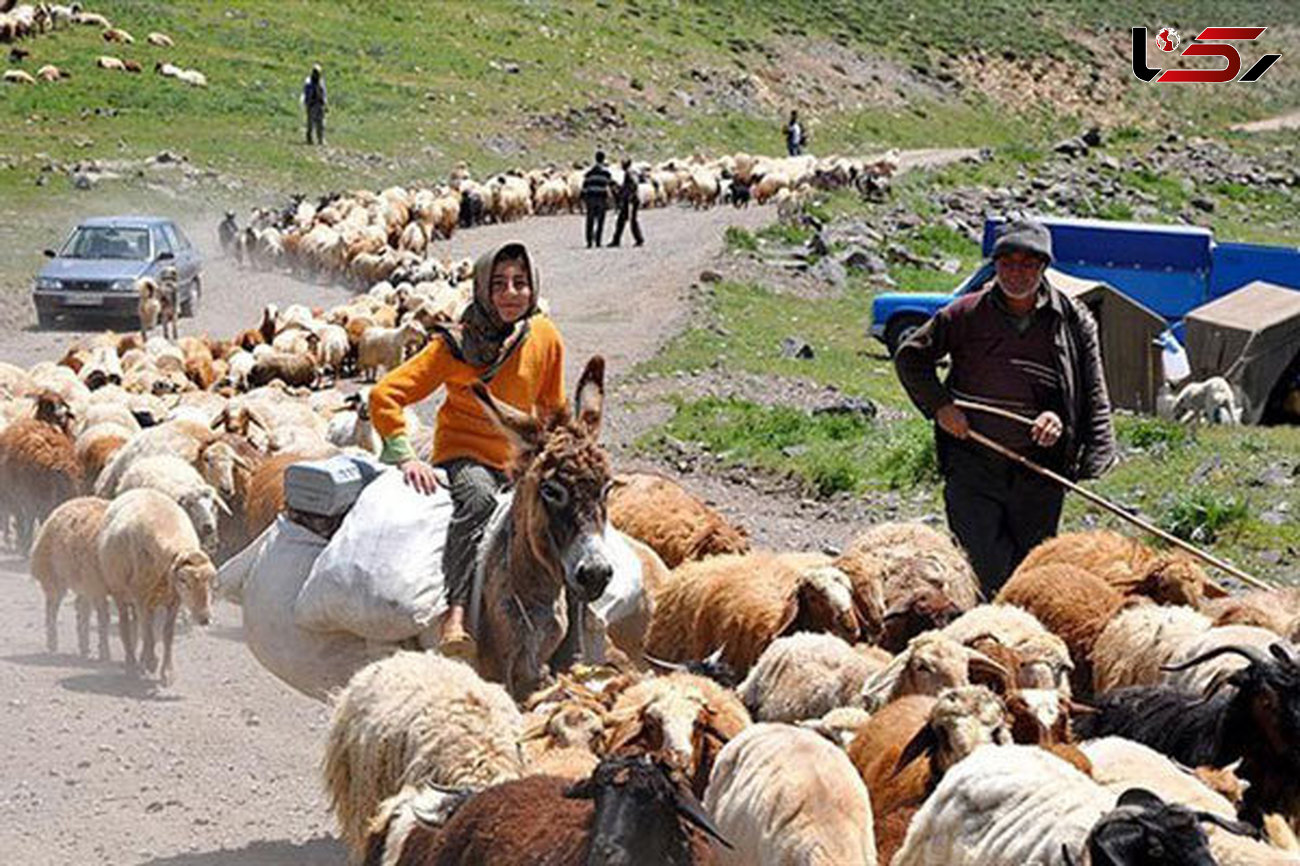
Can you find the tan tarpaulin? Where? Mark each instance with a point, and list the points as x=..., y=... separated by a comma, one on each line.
x=1248, y=337
x=1127, y=330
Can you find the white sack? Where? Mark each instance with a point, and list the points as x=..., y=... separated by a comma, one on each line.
x=380, y=576
x=234, y=572
x=315, y=663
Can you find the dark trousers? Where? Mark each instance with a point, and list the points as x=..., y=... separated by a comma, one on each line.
x=473, y=488
x=595, y=223
x=628, y=212
x=998, y=511
x=316, y=123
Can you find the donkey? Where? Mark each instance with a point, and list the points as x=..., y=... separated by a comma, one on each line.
x=549, y=557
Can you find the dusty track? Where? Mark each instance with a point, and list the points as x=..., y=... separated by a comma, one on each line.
x=221, y=769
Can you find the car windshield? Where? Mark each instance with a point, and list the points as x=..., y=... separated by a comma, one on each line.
x=107, y=242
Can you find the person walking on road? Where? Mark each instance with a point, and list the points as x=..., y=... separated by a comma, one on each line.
x=313, y=100
x=628, y=205
x=1019, y=345
x=795, y=138
x=596, y=185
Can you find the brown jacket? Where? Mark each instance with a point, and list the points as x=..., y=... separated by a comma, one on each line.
x=1088, y=437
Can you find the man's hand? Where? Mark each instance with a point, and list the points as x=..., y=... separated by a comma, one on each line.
x=1047, y=429
x=953, y=421
x=420, y=475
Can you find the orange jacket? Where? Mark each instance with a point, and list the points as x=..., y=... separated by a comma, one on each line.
x=531, y=378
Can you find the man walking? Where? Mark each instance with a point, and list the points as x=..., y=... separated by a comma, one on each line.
x=596, y=184
x=313, y=99
x=794, y=135
x=628, y=205
x=1019, y=345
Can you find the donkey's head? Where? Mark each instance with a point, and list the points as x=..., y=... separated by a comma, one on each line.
x=562, y=476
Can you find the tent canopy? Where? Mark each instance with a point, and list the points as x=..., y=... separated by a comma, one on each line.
x=1248, y=337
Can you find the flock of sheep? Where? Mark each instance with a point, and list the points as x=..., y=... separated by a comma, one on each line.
x=364, y=236
x=28, y=21
x=767, y=707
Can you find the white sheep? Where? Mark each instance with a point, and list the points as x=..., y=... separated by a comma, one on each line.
x=384, y=348
x=781, y=795
x=150, y=557
x=182, y=483
x=64, y=558
x=192, y=77
x=1213, y=401
x=183, y=439
x=1134, y=645
x=1044, y=658
x=410, y=719
x=804, y=676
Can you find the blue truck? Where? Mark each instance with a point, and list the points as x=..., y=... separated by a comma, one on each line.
x=1169, y=269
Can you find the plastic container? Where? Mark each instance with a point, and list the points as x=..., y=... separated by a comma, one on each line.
x=328, y=487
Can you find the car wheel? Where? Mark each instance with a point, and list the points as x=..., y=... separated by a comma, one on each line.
x=190, y=305
x=900, y=328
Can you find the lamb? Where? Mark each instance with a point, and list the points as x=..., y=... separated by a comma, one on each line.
x=150, y=558
x=931, y=663
x=412, y=719
x=162, y=40
x=38, y=464
x=1135, y=644
x=804, y=676
x=1041, y=660
x=385, y=348
x=118, y=35
x=679, y=527
x=298, y=371
x=1212, y=401
x=64, y=558
x=1012, y=805
x=113, y=64
x=1074, y=604
x=743, y=603
x=782, y=795
x=180, y=482
x=1128, y=565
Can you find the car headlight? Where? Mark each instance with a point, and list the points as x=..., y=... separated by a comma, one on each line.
x=48, y=284
x=123, y=285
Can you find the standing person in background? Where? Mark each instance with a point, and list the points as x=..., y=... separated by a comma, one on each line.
x=313, y=99
x=596, y=184
x=628, y=205
x=794, y=135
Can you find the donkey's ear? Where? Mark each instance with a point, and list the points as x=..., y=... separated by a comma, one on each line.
x=589, y=401
x=523, y=430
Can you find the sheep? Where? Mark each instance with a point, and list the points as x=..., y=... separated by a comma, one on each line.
x=632, y=810
x=1212, y=401
x=1073, y=604
x=351, y=426
x=679, y=527
x=415, y=718
x=743, y=602
x=804, y=676
x=1013, y=805
x=384, y=348
x=162, y=40
x=113, y=64
x=782, y=795
x=18, y=76
x=931, y=663
x=38, y=465
x=1254, y=717
x=334, y=351
x=299, y=371
x=96, y=445
x=64, y=558
x=1119, y=764
x=1274, y=609
x=1041, y=659
x=839, y=726
x=194, y=78
x=892, y=542
x=150, y=558
x=183, y=484
x=181, y=438
x=118, y=35
x=50, y=73
x=1128, y=565
x=1210, y=676
x=1135, y=644
x=564, y=738
x=682, y=717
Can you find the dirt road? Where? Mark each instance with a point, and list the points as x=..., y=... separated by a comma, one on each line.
x=221, y=769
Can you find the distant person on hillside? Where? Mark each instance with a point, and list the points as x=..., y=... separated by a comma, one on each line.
x=313, y=99
x=795, y=137
x=628, y=205
x=596, y=184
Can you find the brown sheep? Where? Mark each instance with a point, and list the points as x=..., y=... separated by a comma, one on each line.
x=96, y=455
x=198, y=362
x=65, y=557
x=1073, y=604
x=1273, y=609
x=296, y=371
x=266, y=493
x=679, y=527
x=741, y=603
x=1128, y=565
x=899, y=541
x=38, y=464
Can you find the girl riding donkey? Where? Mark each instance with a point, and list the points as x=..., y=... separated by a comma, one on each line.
x=502, y=342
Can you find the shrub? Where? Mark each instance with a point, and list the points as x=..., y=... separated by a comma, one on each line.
x=1200, y=515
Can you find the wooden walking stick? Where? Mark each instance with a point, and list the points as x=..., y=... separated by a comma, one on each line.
x=1097, y=499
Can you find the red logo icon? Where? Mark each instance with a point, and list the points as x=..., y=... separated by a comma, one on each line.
x=1207, y=43
x=1167, y=39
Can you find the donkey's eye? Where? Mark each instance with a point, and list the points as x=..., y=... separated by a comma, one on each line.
x=554, y=494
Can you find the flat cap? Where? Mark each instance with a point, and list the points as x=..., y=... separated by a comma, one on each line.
x=1024, y=234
